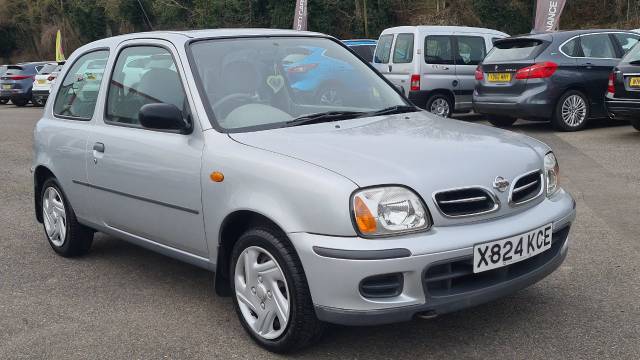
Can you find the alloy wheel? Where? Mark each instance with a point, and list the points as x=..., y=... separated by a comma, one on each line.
x=440, y=107
x=574, y=110
x=54, y=216
x=262, y=292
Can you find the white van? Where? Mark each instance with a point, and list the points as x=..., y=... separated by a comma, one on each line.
x=434, y=65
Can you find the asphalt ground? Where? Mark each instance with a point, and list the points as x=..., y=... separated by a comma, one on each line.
x=125, y=302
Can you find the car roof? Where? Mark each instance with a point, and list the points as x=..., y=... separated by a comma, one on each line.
x=565, y=34
x=443, y=28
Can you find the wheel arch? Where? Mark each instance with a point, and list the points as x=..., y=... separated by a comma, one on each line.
x=231, y=228
x=446, y=92
x=40, y=175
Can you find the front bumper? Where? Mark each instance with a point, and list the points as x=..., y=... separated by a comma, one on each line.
x=334, y=278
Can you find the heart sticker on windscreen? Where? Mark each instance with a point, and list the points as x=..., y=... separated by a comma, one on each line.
x=275, y=82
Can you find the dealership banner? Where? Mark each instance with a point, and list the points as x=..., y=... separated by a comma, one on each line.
x=300, y=18
x=548, y=14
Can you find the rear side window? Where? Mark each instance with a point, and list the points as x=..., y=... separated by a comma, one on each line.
x=142, y=75
x=598, y=46
x=514, y=50
x=78, y=92
x=438, y=50
x=471, y=50
x=572, y=48
x=383, y=50
x=626, y=41
x=403, y=51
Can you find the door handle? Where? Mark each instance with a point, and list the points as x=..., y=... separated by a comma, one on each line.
x=445, y=68
x=99, y=147
x=390, y=68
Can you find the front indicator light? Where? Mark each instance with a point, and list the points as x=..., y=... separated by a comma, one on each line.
x=552, y=173
x=389, y=210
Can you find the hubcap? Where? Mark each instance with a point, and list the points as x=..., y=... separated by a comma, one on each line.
x=54, y=216
x=262, y=292
x=330, y=97
x=440, y=107
x=574, y=110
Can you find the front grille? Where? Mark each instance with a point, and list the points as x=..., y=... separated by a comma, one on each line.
x=457, y=277
x=527, y=188
x=465, y=202
x=382, y=286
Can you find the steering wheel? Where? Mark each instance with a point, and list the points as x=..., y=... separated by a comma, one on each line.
x=223, y=107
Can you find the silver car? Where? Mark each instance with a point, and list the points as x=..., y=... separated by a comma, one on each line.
x=366, y=211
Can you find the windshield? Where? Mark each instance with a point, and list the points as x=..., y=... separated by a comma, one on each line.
x=632, y=56
x=266, y=82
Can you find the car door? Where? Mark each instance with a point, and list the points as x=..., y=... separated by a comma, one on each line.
x=438, y=65
x=470, y=50
x=401, y=65
x=599, y=56
x=147, y=182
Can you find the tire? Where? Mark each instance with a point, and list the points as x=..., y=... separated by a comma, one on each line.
x=636, y=124
x=20, y=102
x=39, y=102
x=254, y=295
x=69, y=238
x=501, y=121
x=440, y=104
x=571, y=112
x=4, y=101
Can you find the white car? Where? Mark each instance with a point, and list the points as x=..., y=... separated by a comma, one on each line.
x=43, y=81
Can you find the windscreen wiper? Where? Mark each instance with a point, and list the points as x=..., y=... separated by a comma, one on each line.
x=398, y=109
x=327, y=116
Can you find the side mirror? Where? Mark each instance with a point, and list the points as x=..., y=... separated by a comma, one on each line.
x=161, y=116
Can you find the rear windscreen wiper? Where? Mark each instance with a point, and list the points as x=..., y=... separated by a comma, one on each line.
x=398, y=109
x=323, y=117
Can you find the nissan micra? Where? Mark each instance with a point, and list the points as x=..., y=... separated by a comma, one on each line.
x=364, y=210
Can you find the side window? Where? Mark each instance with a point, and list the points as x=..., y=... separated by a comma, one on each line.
x=403, y=51
x=626, y=41
x=572, y=48
x=142, y=75
x=78, y=92
x=383, y=50
x=438, y=50
x=597, y=46
x=471, y=50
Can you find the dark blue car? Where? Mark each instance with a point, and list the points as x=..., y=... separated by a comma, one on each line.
x=365, y=48
x=17, y=81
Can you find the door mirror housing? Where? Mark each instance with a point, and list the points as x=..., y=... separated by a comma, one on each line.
x=162, y=116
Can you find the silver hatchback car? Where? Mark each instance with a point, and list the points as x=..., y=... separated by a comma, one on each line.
x=215, y=148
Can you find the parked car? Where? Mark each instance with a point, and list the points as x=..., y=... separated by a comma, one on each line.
x=435, y=65
x=363, y=47
x=559, y=77
x=623, y=90
x=308, y=213
x=3, y=99
x=42, y=83
x=17, y=82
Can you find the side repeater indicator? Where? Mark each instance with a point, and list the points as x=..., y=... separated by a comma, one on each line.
x=216, y=176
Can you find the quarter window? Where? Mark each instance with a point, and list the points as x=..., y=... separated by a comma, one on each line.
x=383, y=50
x=438, y=50
x=597, y=46
x=572, y=48
x=471, y=50
x=627, y=41
x=403, y=51
x=142, y=75
x=78, y=91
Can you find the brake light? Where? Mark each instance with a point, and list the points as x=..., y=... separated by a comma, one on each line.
x=19, y=77
x=415, y=82
x=479, y=73
x=537, y=71
x=301, y=68
x=611, y=86
x=51, y=77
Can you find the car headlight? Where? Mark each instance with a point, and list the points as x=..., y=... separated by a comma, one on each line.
x=552, y=172
x=388, y=210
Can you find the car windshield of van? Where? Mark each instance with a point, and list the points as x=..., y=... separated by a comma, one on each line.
x=269, y=82
x=513, y=50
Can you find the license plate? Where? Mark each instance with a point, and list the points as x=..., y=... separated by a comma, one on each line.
x=499, y=253
x=6, y=86
x=499, y=77
x=42, y=82
x=634, y=82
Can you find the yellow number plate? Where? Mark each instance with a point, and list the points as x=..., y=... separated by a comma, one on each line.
x=634, y=82
x=499, y=77
x=6, y=86
x=42, y=82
